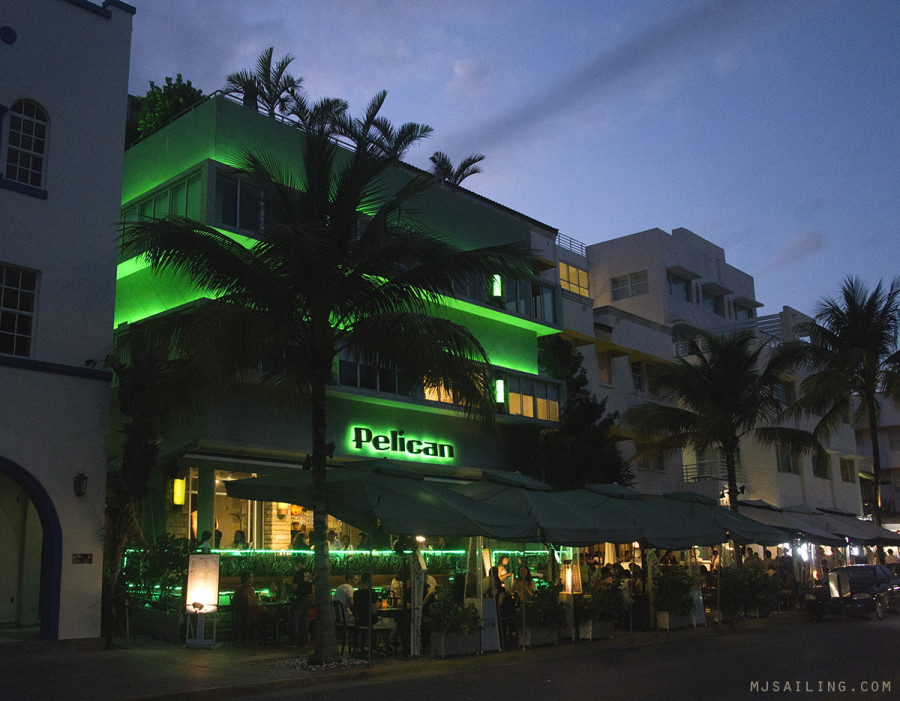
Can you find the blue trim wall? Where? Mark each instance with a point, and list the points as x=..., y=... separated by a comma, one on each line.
x=51, y=546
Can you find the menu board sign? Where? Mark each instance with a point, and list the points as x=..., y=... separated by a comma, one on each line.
x=202, y=583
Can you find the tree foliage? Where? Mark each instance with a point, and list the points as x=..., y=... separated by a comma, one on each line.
x=443, y=170
x=163, y=102
x=268, y=85
x=583, y=449
x=854, y=359
x=728, y=387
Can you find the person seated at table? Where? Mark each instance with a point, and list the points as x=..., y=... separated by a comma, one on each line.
x=366, y=606
x=397, y=589
x=524, y=586
x=344, y=594
x=245, y=597
x=300, y=541
x=298, y=619
x=240, y=541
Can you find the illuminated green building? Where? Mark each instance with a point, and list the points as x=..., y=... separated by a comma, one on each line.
x=188, y=169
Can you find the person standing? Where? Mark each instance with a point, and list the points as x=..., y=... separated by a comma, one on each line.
x=344, y=594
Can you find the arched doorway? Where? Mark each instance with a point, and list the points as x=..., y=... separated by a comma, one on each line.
x=24, y=544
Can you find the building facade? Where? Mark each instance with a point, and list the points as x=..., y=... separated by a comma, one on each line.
x=652, y=292
x=62, y=112
x=188, y=169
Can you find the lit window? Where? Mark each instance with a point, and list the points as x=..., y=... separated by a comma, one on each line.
x=848, y=472
x=573, y=279
x=17, y=292
x=533, y=398
x=27, y=144
x=630, y=285
x=439, y=393
x=604, y=367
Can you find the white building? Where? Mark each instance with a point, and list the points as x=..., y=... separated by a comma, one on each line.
x=652, y=292
x=62, y=130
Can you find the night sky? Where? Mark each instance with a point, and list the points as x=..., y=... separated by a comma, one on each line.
x=769, y=128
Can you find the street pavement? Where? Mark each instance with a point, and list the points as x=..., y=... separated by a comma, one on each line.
x=155, y=670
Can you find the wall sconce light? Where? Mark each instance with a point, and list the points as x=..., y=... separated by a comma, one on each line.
x=80, y=484
x=283, y=509
x=178, y=489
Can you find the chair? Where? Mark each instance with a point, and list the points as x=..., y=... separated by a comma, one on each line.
x=341, y=626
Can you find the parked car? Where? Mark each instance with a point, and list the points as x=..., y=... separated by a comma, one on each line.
x=855, y=589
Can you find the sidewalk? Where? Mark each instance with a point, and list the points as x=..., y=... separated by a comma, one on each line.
x=155, y=670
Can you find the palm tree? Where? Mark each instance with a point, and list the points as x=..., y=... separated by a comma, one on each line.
x=157, y=390
x=730, y=390
x=443, y=170
x=854, y=357
x=338, y=268
x=268, y=85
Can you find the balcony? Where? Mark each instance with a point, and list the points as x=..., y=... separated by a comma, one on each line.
x=709, y=470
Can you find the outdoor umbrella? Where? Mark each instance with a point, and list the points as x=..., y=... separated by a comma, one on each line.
x=373, y=495
x=734, y=525
x=564, y=518
x=797, y=525
x=665, y=523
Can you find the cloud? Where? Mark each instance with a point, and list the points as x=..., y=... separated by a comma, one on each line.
x=799, y=248
x=647, y=57
x=471, y=79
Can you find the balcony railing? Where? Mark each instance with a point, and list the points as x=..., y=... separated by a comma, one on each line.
x=708, y=470
x=570, y=244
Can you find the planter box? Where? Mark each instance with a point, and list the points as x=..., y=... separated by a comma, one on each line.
x=595, y=630
x=453, y=644
x=671, y=621
x=759, y=611
x=160, y=625
x=534, y=636
x=722, y=616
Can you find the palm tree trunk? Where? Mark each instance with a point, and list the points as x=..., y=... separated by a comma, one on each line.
x=731, y=470
x=326, y=650
x=876, y=459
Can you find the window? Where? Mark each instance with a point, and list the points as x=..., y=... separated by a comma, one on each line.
x=652, y=463
x=27, y=144
x=637, y=377
x=439, y=394
x=630, y=285
x=822, y=466
x=573, y=279
x=848, y=472
x=679, y=287
x=238, y=203
x=787, y=460
x=355, y=374
x=181, y=199
x=604, y=367
x=533, y=398
x=894, y=438
x=742, y=313
x=714, y=302
x=530, y=298
x=17, y=292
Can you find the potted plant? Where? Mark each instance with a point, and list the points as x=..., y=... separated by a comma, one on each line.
x=728, y=602
x=455, y=627
x=599, y=611
x=544, y=614
x=673, y=598
x=761, y=591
